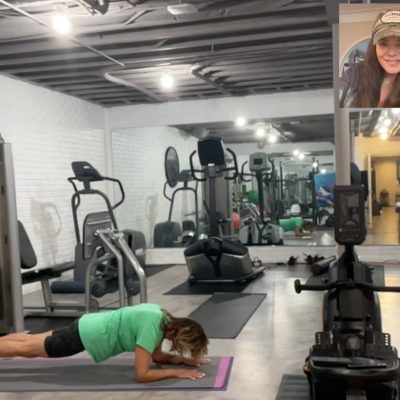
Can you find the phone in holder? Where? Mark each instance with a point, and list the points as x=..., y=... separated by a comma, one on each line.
x=349, y=214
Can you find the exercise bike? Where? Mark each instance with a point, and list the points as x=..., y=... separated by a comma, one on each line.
x=351, y=356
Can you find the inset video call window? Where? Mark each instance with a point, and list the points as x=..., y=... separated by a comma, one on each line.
x=369, y=55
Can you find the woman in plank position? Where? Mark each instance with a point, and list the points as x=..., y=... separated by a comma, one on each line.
x=140, y=329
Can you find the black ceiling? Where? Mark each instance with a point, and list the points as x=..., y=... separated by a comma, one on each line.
x=224, y=48
x=367, y=122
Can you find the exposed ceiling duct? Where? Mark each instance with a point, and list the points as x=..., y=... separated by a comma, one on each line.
x=96, y=6
x=217, y=48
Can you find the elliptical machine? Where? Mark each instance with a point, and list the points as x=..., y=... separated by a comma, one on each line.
x=255, y=229
x=351, y=356
x=216, y=259
x=106, y=260
x=170, y=233
x=213, y=161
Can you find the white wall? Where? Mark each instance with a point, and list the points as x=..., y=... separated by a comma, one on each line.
x=47, y=131
x=374, y=146
x=138, y=158
x=290, y=104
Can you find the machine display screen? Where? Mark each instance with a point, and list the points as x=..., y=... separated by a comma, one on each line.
x=257, y=161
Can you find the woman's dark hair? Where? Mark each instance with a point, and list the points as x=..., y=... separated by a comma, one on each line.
x=308, y=226
x=368, y=81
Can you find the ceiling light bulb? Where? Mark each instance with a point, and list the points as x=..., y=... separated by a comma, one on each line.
x=323, y=171
x=383, y=130
x=272, y=138
x=260, y=132
x=167, y=81
x=61, y=24
x=296, y=152
x=241, y=122
x=384, y=136
x=183, y=8
x=301, y=156
x=315, y=165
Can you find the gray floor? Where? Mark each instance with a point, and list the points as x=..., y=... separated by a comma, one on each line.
x=274, y=341
x=385, y=227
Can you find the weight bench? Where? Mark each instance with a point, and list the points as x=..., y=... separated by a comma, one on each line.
x=42, y=275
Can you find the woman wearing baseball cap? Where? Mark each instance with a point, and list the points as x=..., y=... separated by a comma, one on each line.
x=375, y=82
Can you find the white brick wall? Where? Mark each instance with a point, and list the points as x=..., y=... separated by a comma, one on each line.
x=47, y=131
x=138, y=158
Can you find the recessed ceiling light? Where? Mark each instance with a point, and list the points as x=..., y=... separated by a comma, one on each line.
x=241, y=122
x=167, y=81
x=260, y=132
x=323, y=171
x=384, y=135
x=61, y=24
x=296, y=152
x=387, y=122
x=179, y=9
x=301, y=156
x=272, y=138
x=383, y=130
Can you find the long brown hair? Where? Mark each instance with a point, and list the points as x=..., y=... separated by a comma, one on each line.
x=189, y=336
x=369, y=76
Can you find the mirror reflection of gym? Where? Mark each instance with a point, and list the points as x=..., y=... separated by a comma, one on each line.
x=377, y=154
x=288, y=179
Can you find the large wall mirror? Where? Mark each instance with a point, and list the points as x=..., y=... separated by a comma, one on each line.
x=376, y=149
x=296, y=182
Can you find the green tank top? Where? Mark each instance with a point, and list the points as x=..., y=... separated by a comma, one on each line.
x=106, y=334
x=290, y=224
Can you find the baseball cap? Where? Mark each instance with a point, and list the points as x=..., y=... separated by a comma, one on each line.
x=386, y=24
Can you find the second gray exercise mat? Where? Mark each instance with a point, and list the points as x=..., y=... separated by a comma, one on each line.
x=224, y=315
x=293, y=387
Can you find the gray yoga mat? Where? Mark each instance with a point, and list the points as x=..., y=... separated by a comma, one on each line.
x=151, y=270
x=186, y=288
x=293, y=387
x=116, y=374
x=224, y=315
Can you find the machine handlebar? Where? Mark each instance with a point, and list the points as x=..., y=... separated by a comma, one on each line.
x=88, y=190
x=195, y=171
x=233, y=168
x=243, y=174
x=299, y=287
